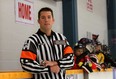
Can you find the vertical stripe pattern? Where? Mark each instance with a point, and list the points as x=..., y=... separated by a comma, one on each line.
x=47, y=48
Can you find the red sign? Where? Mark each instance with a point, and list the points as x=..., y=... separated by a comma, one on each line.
x=24, y=11
x=90, y=5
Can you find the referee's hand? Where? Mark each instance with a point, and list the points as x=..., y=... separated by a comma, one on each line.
x=55, y=69
x=49, y=63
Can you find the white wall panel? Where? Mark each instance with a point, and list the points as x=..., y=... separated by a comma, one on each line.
x=13, y=35
x=94, y=22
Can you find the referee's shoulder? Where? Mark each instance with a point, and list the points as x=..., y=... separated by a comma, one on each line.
x=32, y=37
x=59, y=34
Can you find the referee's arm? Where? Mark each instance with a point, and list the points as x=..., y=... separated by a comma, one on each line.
x=32, y=65
x=68, y=59
x=28, y=59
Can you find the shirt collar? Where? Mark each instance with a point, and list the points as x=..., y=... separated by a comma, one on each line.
x=39, y=32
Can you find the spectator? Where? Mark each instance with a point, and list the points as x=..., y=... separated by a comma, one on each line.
x=81, y=58
x=99, y=53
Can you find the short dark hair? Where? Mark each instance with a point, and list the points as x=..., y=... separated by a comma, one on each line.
x=45, y=9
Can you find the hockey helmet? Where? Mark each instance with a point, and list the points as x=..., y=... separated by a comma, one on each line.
x=85, y=41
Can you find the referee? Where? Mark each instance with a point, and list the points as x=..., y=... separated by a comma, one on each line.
x=46, y=54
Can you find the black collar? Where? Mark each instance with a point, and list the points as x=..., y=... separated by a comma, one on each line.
x=39, y=32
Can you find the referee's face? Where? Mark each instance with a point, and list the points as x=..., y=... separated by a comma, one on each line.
x=46, y=21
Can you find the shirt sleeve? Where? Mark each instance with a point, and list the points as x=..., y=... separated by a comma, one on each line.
x=67, y=61
x=28, y=58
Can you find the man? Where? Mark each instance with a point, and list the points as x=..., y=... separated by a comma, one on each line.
x=46, y=53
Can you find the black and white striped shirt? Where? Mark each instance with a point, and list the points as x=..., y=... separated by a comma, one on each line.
x=40, y=47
